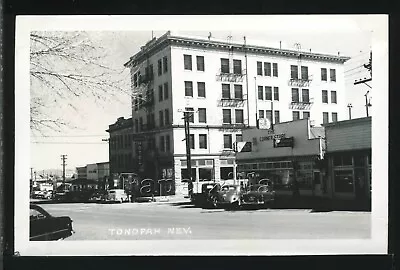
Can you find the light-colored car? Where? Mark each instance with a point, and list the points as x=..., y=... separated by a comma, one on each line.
x=117, y=195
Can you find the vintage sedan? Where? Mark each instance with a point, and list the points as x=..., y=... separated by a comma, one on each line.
x=45, y=227
x=258, y=195
x=228, y=196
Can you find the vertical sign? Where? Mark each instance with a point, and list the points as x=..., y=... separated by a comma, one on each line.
x=140, y=155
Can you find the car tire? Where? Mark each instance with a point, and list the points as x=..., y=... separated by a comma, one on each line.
x=214, y=202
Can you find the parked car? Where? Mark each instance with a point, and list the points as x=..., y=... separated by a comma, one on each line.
x=227, y=195
x=117, y=195
x=44, y=195
x=257, y=195
x=45, y=227
x=99, y=195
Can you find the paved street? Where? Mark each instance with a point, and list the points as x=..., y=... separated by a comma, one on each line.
x=130, y=221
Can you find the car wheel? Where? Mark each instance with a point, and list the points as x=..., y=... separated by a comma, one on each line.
x=214, y=202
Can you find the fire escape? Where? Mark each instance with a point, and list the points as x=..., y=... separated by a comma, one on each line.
x=231, y=75
x=302, y=81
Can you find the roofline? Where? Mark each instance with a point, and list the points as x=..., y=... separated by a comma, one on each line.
x=168, y=39
x=348, y=122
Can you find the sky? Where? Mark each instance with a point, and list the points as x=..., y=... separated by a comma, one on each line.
x=349, y=35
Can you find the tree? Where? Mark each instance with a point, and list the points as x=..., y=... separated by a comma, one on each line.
x=66, y=66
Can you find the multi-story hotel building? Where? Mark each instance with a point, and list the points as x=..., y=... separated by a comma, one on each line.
x=229, y=87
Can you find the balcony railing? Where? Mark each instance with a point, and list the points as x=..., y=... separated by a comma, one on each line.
x=230, y=75
x=300, y=82
x=231, y=102
x=301, y=105
x=145, y=79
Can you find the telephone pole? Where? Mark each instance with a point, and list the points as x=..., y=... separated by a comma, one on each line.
x=186, y=117
x=349, y=106
x=368, y=66
x=63, y=158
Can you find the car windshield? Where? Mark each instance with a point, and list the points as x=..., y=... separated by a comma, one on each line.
x=229, y=188
x=259, y=188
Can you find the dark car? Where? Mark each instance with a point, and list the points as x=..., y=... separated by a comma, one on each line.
x=100, y=195
x=258, y=195
x=45, y=227
x=227, y=195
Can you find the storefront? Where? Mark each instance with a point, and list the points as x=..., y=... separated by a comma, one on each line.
x=294, y=167
x=349, y=157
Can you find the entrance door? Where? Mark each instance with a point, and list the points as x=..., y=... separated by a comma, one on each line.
x=317, y=184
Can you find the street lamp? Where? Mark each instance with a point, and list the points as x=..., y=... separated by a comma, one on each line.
x=349, y=106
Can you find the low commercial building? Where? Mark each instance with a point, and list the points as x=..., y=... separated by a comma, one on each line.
x=82, y=172
x=348, y=154
x=290, y=154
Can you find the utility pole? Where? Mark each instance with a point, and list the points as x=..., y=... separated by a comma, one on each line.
x=188, y=156
x=63, y=158
x=349, y=106
x=368, y=66
x=31, y=174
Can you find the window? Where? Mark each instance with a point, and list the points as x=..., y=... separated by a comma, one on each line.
x=140, y=101
x=201, y=89
x=306, y=115
x=334, y=117
x=332, y=72
x=140, y=124
x=325, y=117
x=153, y=119
x=202, y=115
x=261, y=114
x=168, y=143
x=296, y=115
x=166, y=115
x=188, y=89
x=276, y=93
x=135, y=77
x=294, y=72
x=333, y=97
x=267, y=69
x=159, y=67
x=226, y=115
x=324, y=96
x=200, y=63
x=165, y=64
x=238, y=91
x=160, y=93
x=226, y=91
x=151, y=72
x=277, y=117
x=305, y=93
x=187, y=59
x=295, y=95
x=304, y=73
x=343, y=181
x=239, y=138
x=162, y=144
x=239, y=116
x=237, y=66
x=260, y=93
x=268, y=115
x=136, y=125
x=259, y=68
x=268, y=93
x=324, y=74
x=275, y=69
x=166, y=91
x=224, y=65
x=191, y=141
x=161, y=118
x=228, y=141
x=191, y=116
x=203, y=141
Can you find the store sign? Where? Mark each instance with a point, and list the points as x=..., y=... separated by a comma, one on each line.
x=271, y=136
x=284, y=142
x=140, y=155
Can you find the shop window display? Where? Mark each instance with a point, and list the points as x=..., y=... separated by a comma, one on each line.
x=344, y=181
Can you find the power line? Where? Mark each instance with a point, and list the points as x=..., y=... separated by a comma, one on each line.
x=353, y=68
x=67, y=136
x=104, y=143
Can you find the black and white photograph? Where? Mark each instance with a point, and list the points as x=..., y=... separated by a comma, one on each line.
x=201, y=135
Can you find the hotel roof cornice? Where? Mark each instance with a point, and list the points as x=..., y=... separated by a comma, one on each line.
x=156, y=45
